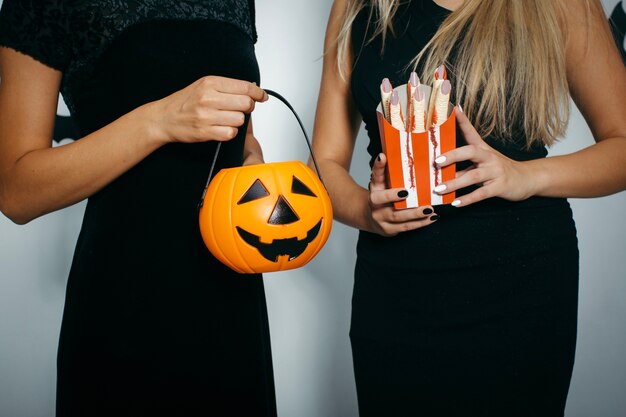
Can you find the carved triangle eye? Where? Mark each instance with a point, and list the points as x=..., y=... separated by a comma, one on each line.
x=283, y=213
x=256, y=191
x=298, y=187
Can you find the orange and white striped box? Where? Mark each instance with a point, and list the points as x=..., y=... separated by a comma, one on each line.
x=411, y=157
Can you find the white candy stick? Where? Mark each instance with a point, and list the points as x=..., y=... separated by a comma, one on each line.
x=441, y=103
x=395, y=112
x=385, y=96
x=440, y=76
x=410, y=91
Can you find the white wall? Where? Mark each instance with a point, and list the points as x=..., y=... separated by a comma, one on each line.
x=309, y=308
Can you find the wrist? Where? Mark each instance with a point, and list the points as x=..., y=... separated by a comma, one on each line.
x=538, y=177
x=150, y=117
x=364, y=219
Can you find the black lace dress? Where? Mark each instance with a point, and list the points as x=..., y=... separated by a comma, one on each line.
x=474, y=315
x=153, y=324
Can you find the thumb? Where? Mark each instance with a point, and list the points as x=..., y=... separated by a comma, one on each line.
x=469, y=132
x=377, y=180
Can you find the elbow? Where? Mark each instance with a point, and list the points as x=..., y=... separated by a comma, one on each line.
x=16, y=218
x=14, y=210
x=12, y=202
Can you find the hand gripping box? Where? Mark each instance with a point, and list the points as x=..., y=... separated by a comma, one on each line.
x=411, y=156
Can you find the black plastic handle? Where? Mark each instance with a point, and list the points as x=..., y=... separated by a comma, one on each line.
x=306, y=138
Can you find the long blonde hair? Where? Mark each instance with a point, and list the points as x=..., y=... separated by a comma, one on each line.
x=509, y=60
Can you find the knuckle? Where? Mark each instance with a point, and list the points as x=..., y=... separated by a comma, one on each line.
x=232, y=132
x=248, y=104
x=212, y=134
x=375, y=198
x=206, y=99
x=225, y=134
x=207, y=81
x=250, y=88
x=474, y=176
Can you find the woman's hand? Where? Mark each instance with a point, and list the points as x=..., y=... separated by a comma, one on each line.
x=36, y=178
x=212, y=108
x=495, y=174
x=385, y=219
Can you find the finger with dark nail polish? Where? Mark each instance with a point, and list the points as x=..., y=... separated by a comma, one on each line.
x=435, y=217
x=428, y=211
x=403, y=193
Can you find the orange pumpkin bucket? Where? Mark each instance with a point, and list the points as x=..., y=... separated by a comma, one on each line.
x=266, y=217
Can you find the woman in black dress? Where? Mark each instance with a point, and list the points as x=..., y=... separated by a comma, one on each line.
x=470, y=309
x=153, y=324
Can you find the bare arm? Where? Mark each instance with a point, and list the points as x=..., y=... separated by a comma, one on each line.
x=336, y=125
x=252, y=152
x=334, y=133
x=597, y=80
x=36, y=179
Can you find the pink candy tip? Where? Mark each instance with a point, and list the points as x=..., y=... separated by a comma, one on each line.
x=446, y=87
x=394, y=98
x=386, y=85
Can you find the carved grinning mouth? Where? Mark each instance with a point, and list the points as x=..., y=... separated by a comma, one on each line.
x=291, y=247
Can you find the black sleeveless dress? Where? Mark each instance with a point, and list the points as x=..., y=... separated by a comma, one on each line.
x=153, y=324
x=474, y=315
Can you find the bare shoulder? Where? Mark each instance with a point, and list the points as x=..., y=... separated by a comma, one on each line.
x=586, y=27
x=595, y=71
x=17, y=68
x=340, y=4
x=336, y=19
x=29, y=92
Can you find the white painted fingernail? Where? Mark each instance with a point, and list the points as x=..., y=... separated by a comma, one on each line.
x=441, y=159
x=456, y=203
x=440, y=188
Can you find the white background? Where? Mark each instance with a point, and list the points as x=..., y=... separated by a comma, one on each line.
x=309, y=308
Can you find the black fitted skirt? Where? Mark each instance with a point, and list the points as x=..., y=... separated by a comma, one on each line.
x=474, y=315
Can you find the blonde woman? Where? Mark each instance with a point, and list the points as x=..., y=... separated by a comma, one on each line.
x=470, y=309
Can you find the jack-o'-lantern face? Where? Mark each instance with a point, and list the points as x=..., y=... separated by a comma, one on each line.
x=264, y=218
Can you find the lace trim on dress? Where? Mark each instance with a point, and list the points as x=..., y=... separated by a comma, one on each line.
x=70, y=35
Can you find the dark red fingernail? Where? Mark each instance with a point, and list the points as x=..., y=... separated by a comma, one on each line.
x=428, y=211
x=403, y=193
